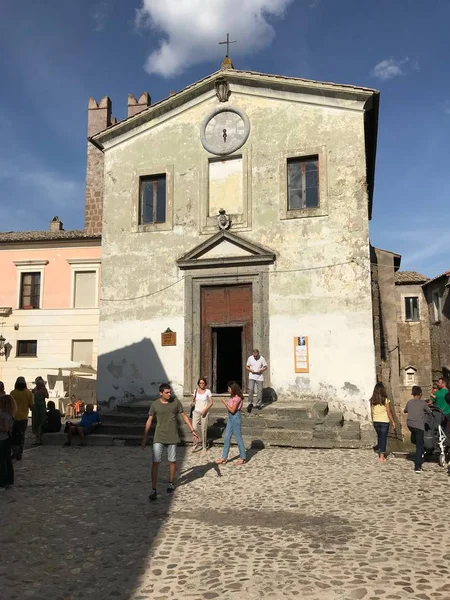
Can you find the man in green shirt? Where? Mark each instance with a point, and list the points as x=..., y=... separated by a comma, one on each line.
x=439, y=398
x=166, y=411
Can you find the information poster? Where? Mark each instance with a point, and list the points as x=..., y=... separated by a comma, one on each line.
x=301, y=354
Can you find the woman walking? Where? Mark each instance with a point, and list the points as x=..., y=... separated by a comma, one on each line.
x=38, y=413
x=24, y=402
x=234, y=424
x=7, y=412
x=381, y=417
x=202, y=402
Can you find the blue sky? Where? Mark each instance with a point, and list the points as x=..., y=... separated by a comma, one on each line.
x=57, y=54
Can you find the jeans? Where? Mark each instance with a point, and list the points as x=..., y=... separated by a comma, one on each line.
x=6, y=466
x=382, y=430
x=158, y=450
x=201, y=423
x=417, y=435
x=22, y=425
x=251, y=389
x=234, y=423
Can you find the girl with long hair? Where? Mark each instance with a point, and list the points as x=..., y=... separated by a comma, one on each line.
x=234, y=424
x=7, y=412
x=381, y=417
x=202, y=402
x=38, y=413
x=24, y=402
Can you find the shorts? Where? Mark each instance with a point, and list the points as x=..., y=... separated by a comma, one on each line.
x=158, y=450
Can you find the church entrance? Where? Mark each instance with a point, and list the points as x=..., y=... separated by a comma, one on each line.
x=226, y=334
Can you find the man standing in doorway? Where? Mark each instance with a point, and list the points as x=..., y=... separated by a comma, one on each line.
x=256, y=365
x=166, y=411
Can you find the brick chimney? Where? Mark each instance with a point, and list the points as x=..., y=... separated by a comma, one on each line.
x=56, y=224
x=99, y=118
x=137, y=106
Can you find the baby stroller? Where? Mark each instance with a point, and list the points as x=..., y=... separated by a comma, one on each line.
x=435, y=440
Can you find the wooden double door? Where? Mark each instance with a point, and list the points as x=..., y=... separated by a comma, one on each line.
x=226, y=334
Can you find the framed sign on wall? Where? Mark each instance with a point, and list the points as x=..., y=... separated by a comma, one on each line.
x=301, y=354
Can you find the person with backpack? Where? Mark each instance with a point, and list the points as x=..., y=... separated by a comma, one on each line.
x=7, y=412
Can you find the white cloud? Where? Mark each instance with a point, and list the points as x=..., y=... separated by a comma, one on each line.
x=390, y=68
x=192, y=29
x=99, y=15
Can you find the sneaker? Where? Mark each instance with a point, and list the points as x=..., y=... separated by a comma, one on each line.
x=249, y=408
x=153, y=495
x=258, y=406
x=417, y=470
x=170, y=488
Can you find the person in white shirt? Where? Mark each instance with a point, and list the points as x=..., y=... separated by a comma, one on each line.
x=202, y=402
x=256, y=365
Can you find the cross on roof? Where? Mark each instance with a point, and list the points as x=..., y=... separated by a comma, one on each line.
x=228, y=42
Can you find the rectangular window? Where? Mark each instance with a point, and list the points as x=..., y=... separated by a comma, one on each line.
x=82, y=351
x=436, y=299
x=30, y=290
x=226, y=189
x=85, y=289
x=412, y=309
x=152, y=199
x=27, y=348
x=303, y=183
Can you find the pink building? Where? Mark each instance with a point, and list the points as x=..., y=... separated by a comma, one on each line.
x=49, y=297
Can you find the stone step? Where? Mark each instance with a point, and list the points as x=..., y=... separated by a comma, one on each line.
x=285, y=439
x=317, y=411
x=113, y=421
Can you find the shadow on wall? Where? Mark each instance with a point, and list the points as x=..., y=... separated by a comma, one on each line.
x=129, y=374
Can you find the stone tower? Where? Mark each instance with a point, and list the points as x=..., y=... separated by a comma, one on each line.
x=99, y=118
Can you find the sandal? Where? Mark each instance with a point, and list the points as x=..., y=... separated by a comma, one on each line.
x=222, y=461
x=239, y=462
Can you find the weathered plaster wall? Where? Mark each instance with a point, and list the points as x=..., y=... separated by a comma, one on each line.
x=414, y=344
x=319, y=285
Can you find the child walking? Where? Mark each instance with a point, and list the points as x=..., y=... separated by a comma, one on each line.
x=381, y=417
x=234, y=424
x=417, y=409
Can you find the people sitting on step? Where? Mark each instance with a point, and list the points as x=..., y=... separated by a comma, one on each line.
x=53, y=419
x=89, y=421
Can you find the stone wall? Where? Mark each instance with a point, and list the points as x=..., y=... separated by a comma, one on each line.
x=414, y=344
x=439, y=325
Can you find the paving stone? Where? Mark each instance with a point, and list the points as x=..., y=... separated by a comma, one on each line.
x=311, y=524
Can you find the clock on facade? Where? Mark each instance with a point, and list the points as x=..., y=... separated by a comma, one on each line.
x=225, y=130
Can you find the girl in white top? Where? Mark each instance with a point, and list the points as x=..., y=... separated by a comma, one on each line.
x=202, y=402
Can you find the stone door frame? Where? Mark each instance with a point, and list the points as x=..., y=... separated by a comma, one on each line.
x=195, y=279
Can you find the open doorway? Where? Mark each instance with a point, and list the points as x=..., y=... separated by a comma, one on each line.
x=226, y=357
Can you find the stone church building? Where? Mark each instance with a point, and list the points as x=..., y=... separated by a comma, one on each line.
x=236, y=216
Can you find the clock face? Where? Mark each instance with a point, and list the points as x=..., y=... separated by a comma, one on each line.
x=224, y=131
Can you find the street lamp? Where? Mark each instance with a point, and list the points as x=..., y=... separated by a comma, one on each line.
x=2, y=345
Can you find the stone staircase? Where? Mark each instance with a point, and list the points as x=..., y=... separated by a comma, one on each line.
x=276, y=424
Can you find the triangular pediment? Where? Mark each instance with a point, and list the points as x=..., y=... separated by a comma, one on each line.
x=225, y=249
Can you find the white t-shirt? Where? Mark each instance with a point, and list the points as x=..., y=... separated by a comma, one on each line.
x=201, y=400
x=256, y=365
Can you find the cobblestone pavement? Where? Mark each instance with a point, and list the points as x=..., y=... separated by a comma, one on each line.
x=290, y=524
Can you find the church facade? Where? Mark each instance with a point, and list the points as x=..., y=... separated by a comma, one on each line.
x=236, y=216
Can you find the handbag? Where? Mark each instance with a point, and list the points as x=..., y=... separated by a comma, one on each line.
x=191, y=412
